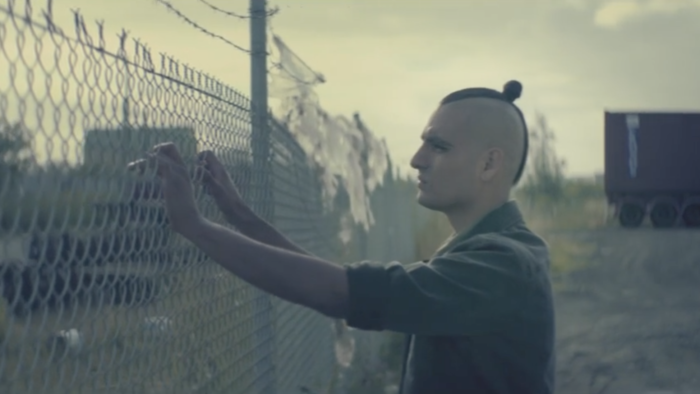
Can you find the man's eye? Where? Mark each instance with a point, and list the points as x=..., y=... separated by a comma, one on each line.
x=439, y=148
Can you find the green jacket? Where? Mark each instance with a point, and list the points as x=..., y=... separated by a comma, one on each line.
x=479, y=315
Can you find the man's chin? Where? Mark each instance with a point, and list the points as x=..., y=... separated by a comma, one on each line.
x=425, y=202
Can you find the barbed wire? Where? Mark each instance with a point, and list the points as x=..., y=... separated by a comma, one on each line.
x=170, y=69
x=318, y=78
x=268, y=14
x=199, y=27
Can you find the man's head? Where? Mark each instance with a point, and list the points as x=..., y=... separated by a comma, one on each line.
x=473, y=150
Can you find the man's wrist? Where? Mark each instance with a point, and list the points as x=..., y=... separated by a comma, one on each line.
x=238, y=214
x=196, y=229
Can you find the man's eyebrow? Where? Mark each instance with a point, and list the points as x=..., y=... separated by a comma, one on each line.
x=433, y=139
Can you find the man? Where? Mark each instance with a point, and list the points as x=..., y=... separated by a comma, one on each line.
x=478, y=315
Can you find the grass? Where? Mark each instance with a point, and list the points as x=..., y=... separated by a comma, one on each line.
x=567, y=256
x=554, y=223
x=212, y=331
x=549, y=222
x=214, y=345
x=576, y=215
x=211, y=344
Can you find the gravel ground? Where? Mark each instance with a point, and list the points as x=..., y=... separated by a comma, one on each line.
x=629, y=323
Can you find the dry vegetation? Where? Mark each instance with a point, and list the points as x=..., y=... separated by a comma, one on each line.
x=174, y=344
x=583, y=208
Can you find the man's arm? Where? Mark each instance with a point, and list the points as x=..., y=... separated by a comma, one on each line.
x=219, y=185
x=253, y=226
x=479, y=290
x=483, y=288
x=297, y=278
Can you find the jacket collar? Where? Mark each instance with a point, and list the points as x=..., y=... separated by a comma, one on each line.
x=501, y=218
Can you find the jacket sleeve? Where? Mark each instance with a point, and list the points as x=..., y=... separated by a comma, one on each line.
x=476, y=290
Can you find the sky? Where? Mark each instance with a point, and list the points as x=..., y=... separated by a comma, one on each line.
x=393, y=60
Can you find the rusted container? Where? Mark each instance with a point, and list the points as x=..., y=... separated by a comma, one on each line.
x=652, y=167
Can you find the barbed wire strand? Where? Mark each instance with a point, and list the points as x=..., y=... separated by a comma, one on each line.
x=83, y=38
x=199, y=27
x=206, y=31
x=268, y=14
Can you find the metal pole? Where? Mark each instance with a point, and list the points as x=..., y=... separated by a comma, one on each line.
x=263, y=201
x=262, y=197
x=258, y=58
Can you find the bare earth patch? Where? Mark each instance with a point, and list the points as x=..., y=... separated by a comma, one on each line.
x=629, y=320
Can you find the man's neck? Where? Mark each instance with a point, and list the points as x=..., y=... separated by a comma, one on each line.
x=465, y=219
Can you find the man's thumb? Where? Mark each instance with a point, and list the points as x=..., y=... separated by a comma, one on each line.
x=161, y=165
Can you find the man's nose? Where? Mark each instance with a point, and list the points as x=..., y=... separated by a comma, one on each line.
x=419, y=161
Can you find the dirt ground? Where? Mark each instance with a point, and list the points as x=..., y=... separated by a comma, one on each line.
x=629, y=323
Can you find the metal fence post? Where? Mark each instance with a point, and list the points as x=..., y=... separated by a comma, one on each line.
x=263, y=196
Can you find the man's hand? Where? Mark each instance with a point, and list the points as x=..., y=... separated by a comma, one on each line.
x=294, y=277
x=176, y=186
x=218, y=184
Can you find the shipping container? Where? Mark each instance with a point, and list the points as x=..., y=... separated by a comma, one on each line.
x=652, y=167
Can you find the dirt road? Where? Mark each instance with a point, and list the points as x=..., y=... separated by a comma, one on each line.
x=629, y=323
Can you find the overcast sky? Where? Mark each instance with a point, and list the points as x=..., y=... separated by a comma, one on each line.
x=392, y=60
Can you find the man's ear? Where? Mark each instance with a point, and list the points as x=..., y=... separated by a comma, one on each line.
x=492, y=164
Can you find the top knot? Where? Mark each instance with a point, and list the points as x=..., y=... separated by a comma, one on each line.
x=512, y=90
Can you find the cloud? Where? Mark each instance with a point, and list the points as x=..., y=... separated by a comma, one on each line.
x=614, y=13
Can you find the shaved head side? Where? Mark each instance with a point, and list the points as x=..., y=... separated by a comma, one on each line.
x=494, y=124
x=495, y=121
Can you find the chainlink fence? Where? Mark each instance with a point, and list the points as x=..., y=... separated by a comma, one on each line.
x=98, y=295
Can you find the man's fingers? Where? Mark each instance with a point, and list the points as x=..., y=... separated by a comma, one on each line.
x=165, y=159
x=138, y=166
x=211, y=162
x=203, y=174
x=170, y=151
x=167, y=166
x=165, y=162
x=148, y=166
x=207, y=180
x=207, y=155
x=204, y=155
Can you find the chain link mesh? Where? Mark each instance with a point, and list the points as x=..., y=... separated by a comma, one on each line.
x=98, y=295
